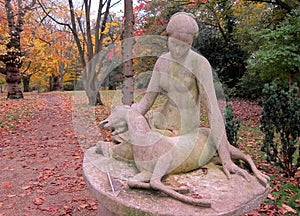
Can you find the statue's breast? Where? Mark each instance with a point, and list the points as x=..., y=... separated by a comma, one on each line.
x=176, y=78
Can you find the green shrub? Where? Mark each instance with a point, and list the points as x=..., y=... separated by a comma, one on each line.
x=232, y=126
x=249, y=87
x=280, y=123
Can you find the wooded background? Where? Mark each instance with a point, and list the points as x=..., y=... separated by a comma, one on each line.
x=46, y=45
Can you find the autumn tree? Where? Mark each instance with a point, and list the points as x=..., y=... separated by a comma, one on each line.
x=36, y=42
x=13, y=56
x=88, y=36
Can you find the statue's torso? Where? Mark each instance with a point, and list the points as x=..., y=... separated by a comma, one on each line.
x=180, y=112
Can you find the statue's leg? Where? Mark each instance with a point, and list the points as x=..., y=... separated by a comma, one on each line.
x=104, y=148
x=239, y=155
x=123, y=151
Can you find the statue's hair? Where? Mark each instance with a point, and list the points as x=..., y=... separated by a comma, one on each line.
x=184, y=23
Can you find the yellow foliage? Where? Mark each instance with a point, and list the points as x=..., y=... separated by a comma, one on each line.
x=112, y=31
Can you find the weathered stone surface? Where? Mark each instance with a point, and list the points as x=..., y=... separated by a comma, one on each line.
x=228, y=197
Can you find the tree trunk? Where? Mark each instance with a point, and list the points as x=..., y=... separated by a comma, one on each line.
x=55, y=83
x=92, y=48
x=13, y=79
x=94, y=98
x=13, y=56
x=128, y=85
x=13, y=62
x=26, y=82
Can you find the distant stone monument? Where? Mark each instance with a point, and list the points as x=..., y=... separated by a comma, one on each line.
x=166, y=150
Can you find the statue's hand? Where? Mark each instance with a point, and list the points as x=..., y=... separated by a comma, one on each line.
x=231, y=168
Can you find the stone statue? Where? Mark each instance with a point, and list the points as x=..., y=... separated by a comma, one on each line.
x=156, y=155
x=168, y=139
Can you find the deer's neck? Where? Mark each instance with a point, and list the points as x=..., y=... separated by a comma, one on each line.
x=137, y=123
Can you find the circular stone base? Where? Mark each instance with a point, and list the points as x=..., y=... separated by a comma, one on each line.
x=108, y=177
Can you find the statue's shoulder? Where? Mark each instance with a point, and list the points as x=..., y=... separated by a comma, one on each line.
x=197, y=57
x=198, y=61
x=163, y=59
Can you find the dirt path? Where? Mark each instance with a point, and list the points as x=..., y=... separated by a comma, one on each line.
x=40, y=162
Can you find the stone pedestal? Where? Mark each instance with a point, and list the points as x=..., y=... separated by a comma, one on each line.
x=107, y=179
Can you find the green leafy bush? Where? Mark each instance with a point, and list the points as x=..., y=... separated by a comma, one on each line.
x=232, y=126
x=280, y=123
x=246, y=88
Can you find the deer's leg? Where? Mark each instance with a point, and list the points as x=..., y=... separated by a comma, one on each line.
x=161, y=169
x=140, y=180
x=239, y=155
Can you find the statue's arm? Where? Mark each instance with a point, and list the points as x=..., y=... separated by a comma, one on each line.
x=208, y=96
x=146, y=102
x=152, y=92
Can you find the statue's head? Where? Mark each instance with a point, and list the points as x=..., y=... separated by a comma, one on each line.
x=117, y=120
x=182, y=29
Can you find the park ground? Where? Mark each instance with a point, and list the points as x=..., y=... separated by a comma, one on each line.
x=41, y=159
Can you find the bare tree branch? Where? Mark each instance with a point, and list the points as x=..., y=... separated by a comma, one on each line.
x=43, y=40
x=46, y=15
x=103, y=25
x=75, y=34
x=97, y=27
x=27, y=68
x=114, y=4
x=52, y=18
x=81, y=28
x=218, y=24
x=90, y=50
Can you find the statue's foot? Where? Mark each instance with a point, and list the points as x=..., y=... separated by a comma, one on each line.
x=262, y=178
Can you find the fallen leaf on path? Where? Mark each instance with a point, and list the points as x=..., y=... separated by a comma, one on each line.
x=287, y=208
x=38, y=200
x=271, y=197
x=26, y=187
x=7, y=184
x=83, y=206
x=52, y=209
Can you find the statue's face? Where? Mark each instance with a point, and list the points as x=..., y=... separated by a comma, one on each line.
x=179, y=45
